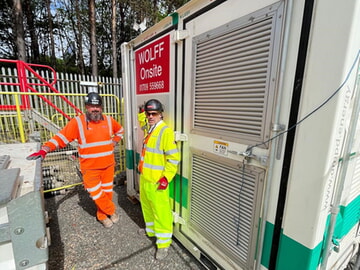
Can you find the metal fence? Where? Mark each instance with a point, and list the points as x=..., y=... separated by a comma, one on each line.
x=38, y=113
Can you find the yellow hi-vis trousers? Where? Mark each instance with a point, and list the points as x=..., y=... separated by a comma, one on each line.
x=156, y=209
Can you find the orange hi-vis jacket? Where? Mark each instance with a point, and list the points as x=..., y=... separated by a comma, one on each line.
x=95, y=140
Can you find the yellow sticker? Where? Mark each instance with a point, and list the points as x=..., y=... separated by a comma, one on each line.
x=221, y=148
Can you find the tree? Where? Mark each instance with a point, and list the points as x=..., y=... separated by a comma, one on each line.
x=93, y=45
x=34, y=44
x=7, y=40
x=19, y=31
x=113, y=38
x=51, y=30
x=79, y=37
x=59, y=29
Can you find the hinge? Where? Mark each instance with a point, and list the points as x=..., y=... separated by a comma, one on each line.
x=178, y=219
x=179, y=35
x=279, y=128
x=180, y=136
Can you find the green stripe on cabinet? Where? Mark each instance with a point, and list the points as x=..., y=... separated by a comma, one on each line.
x=347, y=218
x=179, y=190
x=129, y=159
x=291, y=255
x=269, y=232
x=295, y=256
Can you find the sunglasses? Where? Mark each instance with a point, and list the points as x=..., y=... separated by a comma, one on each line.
x=151, y=114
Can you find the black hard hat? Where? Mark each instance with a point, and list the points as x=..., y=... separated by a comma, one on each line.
x=153, y=105
x=93, y=98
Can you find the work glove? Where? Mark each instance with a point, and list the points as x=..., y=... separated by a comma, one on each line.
x=163, y=183
x=141, y=108
x=40, y=154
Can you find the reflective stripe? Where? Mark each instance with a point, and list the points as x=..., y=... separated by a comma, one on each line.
x=164, y=235
x=163, y=241
x=160, y=136
x=94, y=188
x=63, y=138
x=109, y=124
x=120, y=133
x=97, y=196
x=155, y=151
x=88, y=145
x=176, y=162
x=173, y=151
x=149, y=230
x=81, y=130
x=107, y=190
x=97, y=155
x=153, y=167
x=107, y=184
x=54, y=142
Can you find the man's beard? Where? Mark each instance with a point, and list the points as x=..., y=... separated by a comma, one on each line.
x=94, y=116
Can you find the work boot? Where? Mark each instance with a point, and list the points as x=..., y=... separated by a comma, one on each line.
x=114, y=218
x=161, y=253
x=106, y=222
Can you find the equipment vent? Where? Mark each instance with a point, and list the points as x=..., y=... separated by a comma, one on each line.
x=225, y=205
x=235, y=69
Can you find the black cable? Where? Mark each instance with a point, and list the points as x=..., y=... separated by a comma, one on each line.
x=237, y=222
x=312, y=112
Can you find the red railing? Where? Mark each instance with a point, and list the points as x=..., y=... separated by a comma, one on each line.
x=25, y=86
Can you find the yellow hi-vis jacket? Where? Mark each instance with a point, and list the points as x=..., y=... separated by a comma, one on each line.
x=160, y=156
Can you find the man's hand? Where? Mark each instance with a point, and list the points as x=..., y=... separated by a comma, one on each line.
x=163, y=183
x=40, y=154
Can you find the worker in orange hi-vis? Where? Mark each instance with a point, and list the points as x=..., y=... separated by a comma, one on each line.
x=97, y=135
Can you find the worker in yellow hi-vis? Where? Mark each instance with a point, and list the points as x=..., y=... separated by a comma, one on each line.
x=158, y=165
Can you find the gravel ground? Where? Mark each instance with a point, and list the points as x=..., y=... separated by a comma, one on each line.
x=79, y=241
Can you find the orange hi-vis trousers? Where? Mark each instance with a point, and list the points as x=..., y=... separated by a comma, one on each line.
x=99, y=184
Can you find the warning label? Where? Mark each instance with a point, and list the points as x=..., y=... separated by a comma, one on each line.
x=221, y=148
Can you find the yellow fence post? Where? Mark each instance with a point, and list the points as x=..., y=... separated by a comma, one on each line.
x=18, y=113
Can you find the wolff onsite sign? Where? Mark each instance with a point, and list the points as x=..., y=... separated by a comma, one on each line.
x=152, y=64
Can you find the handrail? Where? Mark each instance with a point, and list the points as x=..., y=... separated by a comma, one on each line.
x=30, y=64
x=53, y=89
x=17, y=106
x=52, y=70
x=25, y=86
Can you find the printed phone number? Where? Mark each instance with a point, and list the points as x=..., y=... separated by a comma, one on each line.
x=152, y=86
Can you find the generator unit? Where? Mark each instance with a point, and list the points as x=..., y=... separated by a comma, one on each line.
x=264, y=99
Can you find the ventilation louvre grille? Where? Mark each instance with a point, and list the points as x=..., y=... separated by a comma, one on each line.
x=232, y=81
x=223, y=202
